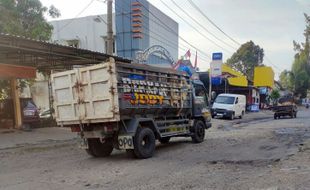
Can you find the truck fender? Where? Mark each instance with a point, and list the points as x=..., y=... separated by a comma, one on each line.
x=132, y=125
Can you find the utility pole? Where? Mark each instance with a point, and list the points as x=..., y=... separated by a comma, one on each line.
x=110, y=29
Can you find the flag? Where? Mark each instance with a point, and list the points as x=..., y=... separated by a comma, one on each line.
x=188, y=54
x=195, y=66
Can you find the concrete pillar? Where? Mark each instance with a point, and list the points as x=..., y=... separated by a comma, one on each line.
x=16, y=103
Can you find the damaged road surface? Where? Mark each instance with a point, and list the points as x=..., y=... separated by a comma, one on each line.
x=241, y=154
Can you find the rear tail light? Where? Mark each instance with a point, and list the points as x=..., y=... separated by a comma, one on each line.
x=75, y=129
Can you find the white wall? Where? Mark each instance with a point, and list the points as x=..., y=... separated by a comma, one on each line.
x=89, y=31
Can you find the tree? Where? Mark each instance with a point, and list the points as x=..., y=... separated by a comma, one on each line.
x=274, y=96
x=286, y=79
x=247, y=57
x=24, y=18
x=301, y=66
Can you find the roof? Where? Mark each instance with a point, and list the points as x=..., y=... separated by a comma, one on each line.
x=16, y=50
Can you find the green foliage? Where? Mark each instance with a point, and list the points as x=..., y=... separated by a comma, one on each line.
x=24, y=18
x=286, y=80
x=4, y=89
x=247, y=57
x=300, y=72
x=274, y=96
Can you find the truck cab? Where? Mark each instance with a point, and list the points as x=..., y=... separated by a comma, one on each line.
x=201, y=106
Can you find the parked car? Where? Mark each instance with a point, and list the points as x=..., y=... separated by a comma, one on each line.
x=229, y=105
x=30, y=112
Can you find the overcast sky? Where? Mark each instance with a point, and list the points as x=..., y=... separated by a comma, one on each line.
x=271, y=24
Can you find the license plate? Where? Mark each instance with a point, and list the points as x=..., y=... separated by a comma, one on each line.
x=28, y=113
x=125, y=142
x=219, y=114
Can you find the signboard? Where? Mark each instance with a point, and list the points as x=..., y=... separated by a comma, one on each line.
x=16, y=71
x=216, y=81
x=216, y=68
x=217, y=56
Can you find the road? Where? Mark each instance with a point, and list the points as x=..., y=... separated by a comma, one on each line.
x=252, y=153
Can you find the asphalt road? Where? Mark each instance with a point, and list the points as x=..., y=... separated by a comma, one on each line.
x=256, y=152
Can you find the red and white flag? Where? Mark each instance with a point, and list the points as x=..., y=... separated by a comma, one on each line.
x=188, y=54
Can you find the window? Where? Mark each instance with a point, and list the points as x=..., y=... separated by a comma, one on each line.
x=225, y=100
x=200, y=93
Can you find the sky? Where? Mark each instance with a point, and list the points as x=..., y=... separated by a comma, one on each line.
x=271, y=24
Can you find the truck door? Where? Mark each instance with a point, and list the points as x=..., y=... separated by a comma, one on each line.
x=201, y=105
x=237, y=107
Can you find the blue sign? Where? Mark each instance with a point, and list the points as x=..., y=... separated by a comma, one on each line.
x=216, y=81
x=254, y=108
x=263, y=90
x=217, y=56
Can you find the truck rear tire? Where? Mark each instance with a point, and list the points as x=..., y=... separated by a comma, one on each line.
x=198, y=131
x=98, y=149
x=144, y=143
x=164, y=140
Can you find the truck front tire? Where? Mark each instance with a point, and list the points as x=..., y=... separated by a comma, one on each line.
x=144, y=143
x=98, y=149
x=198, y=131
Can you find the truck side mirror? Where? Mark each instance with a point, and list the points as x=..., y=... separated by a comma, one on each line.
x=237, y=100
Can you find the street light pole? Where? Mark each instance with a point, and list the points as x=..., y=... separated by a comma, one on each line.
x=110, y=29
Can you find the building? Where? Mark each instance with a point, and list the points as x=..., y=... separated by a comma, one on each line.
x=232, y=81
x=140, y=29
x=264, y=80
x=140, y=26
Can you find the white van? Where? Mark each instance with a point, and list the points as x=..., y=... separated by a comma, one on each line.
x=229, y=105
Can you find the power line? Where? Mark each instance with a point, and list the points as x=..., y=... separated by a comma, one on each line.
x=185, y=12
x=276, y=67
x=203, y=14
x=163, y=42
x=76, y=16
x=194, y=27
x=174, y=31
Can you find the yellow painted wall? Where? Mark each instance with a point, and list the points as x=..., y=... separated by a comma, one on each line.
x=263, y=77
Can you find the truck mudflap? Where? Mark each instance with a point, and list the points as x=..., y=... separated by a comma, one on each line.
x=83, y=143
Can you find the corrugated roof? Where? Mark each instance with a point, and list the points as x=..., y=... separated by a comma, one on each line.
x=17, y=50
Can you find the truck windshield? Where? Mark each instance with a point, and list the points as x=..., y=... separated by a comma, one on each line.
x=225, y=100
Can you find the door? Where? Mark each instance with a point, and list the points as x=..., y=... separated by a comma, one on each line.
x=86, y=95
x=238, y=107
